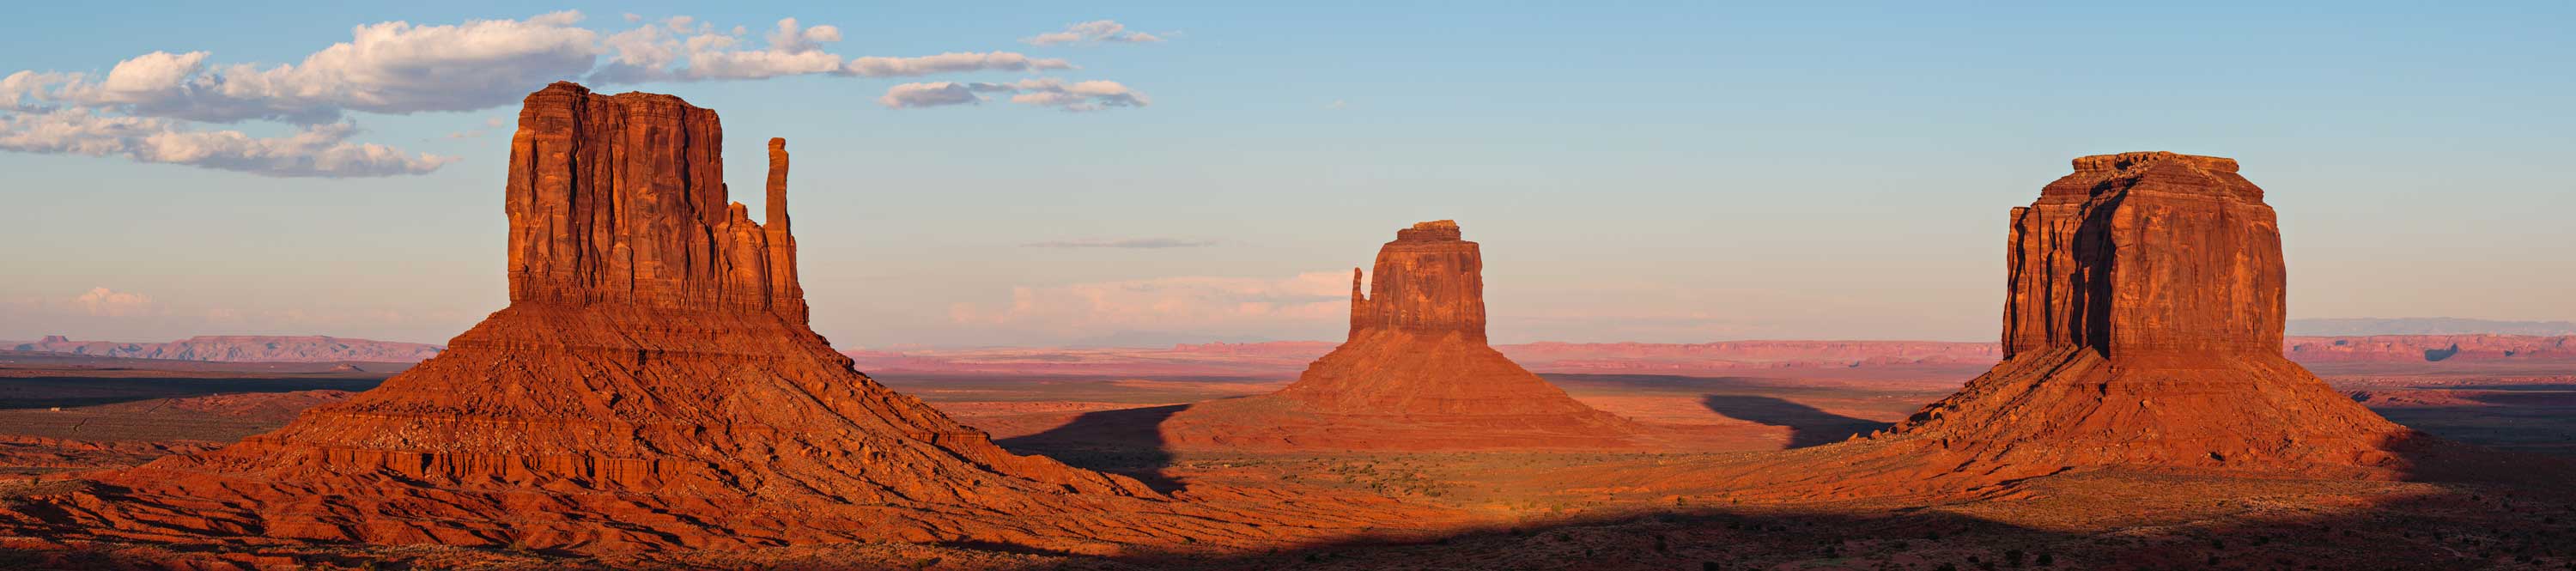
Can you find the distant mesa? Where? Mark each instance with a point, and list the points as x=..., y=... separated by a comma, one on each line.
x=2451, y=349
x=1414, y=374
x=2373, y=326
x=652, y=385
x=245, y=348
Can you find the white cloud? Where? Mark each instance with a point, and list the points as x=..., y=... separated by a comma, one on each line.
x=18, y=87
x=651, y=54
x=389, y=67
x=102, y=302
x=1096, y=31
x=954, y=62
x=316, y=151
x=759, y=64
x=791, y=39
x=399, y=67
x=145, y=107
x=1042, y=92
x=1310, y=301
x=1078, y=96
x=928, y=95
x=640, y=49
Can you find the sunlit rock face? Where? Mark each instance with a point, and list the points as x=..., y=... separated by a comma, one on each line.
x=622, y=199
x=2146, y=252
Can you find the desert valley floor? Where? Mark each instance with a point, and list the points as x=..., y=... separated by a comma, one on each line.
x=64, y=415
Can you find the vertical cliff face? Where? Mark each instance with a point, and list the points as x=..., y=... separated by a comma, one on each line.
x=1415, y=374
x=1429, y=282
x=2146, y=252
x=622, y=198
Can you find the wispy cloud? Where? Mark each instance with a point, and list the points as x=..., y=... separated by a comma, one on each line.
x=316, y=151
x=146, y=107
x=103, y=302
x=1042, y=92
x=1138, y=243
x=1092, y=32
x=951, y=63
x=488, y=125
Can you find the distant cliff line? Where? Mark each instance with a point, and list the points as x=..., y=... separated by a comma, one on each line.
x=2363, y=326
x=243, y=348
x=1546, y=355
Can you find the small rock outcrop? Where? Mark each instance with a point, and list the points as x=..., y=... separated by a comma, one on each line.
x=1415, y=373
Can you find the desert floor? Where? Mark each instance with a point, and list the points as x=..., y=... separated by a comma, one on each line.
x=63, y=415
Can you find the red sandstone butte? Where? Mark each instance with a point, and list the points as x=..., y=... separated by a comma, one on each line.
x=2142, y=328
x=652, y=385
x=1415, y=374
x=2144, y=325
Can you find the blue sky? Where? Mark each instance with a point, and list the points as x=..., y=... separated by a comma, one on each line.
x=1636, y=171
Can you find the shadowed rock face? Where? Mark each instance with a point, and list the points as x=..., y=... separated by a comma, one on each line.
x=1415, y=374
x=653, y=384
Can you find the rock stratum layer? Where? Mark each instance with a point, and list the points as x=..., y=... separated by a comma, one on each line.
x=652, y=385
x=1415, y=374
x=2142, y=328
